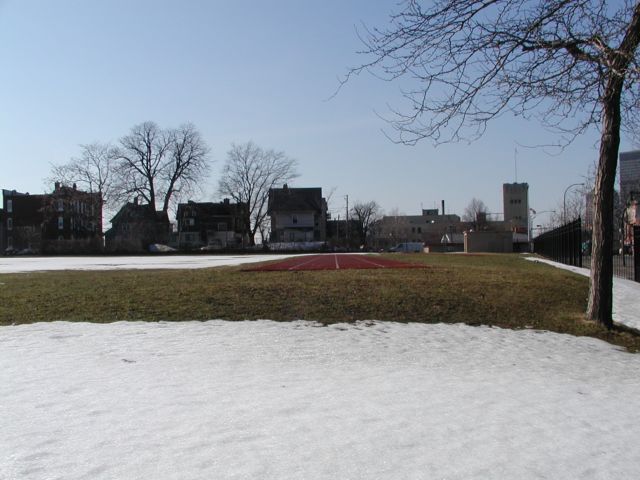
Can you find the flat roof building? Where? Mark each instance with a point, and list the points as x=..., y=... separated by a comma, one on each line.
x=629, y=175
x=515, y=198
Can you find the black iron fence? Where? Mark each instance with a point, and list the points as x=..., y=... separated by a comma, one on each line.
x=571, y=244
x=563, y=244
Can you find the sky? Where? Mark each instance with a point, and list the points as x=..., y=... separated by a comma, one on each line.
x=74, y=72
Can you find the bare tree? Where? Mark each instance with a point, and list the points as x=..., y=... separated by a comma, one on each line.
x=573, y=62
x=187, y=163
x=248, y=175
x=475, y=213
x=141, y=158
x=92, y=171
x=158, y=164
x=365, y=215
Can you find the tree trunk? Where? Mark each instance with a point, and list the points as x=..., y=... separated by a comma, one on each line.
x=600, y=303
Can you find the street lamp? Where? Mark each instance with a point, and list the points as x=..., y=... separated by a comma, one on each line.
x=564, y=201
x=533, y=214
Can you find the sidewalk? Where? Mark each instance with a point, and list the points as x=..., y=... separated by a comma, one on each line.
x=626, y=295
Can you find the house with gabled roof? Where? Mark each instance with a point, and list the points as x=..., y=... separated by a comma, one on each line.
x=297, y=214
x=135, y=227
x=212, y=225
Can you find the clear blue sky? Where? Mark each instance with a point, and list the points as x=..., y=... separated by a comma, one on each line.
x=78, y=71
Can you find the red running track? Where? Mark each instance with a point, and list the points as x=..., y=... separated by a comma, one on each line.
x=332, y=261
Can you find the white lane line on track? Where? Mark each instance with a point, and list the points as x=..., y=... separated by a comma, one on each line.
x=313, y=259
x=372, y=263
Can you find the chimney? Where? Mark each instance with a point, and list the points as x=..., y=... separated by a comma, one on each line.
x=442, y=207
x=226, y=201
x=135, y=200
x=285, y=187
x=75, y=187
x=57, y=185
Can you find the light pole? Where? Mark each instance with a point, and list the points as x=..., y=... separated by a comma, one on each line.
x=564, y=201
x=531, y=215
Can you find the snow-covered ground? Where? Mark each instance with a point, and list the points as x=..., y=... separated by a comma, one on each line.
x=626, y=294
x=34, y=264
x=267, y=400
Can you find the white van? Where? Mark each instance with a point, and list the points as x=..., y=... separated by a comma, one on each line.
x=408, y=247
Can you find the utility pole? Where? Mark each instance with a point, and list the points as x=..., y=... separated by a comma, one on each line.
x=347, y=222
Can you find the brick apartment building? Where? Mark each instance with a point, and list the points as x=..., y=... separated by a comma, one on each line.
x=67, y=220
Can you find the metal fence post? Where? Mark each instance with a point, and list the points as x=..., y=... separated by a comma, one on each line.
x=636, y=256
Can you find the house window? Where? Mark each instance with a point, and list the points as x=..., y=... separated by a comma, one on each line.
x=292, y=237
x=294, y=219
x=9, y=206
x=60, y=205
x=60, y=223
x=222, y=226
x=419, y=229
x=9, y=223
x=191, y=222
x=10, y=242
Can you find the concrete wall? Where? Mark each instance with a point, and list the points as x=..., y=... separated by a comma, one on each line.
x=488, y=242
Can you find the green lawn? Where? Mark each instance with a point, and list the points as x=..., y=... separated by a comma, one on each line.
x=501, y=290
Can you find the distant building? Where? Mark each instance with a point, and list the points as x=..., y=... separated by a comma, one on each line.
x=213, y=225
x=629, y=175
x=297, y=214
x=2, y=228
x=67, y=220
x=135, y=227
x=632, y=220
x=516, y=206
x=429, y=228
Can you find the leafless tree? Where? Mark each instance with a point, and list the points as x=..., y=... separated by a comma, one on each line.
x=92, y=171
x=365, y=215
x=475, y=212
x=158, y=164
x=187, y=164
x=573, y=62
x=248, y=175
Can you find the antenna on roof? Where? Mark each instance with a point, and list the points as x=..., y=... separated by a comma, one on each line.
x=515, y=162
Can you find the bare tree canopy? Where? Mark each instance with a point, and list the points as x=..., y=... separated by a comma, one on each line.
x=92, y=171
x=474, y=211
x=187, y=163
x=248, y=175
x=573, y=63
x=365, y=214
x=159, y=165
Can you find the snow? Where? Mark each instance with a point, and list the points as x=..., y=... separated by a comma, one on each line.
x=626, y=294
x=34, y=264
x=268, y=400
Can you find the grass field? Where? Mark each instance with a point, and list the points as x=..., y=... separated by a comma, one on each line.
x=500, y=290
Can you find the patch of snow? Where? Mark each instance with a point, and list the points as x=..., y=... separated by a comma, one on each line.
x=34, y=264
x=268, y=400
x=626, y=294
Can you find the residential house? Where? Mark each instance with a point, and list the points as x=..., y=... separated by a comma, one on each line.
x=135, y=227
x=212, y=225
x=297, y=214
x=67, y=220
